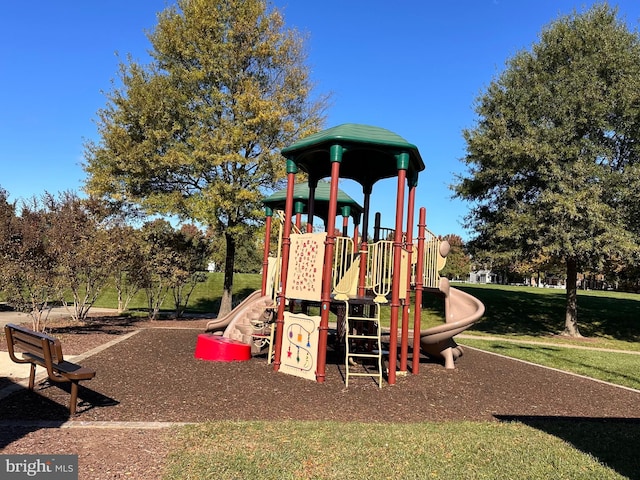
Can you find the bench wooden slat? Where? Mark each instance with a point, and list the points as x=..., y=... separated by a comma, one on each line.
x=30, y=344
x=69, y=369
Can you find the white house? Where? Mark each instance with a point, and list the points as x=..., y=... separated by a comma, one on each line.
x=482, y=276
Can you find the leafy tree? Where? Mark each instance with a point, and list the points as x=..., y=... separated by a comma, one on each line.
x=249, y=250
x=173, y=262
x=7, y=225
x=160, y=260
x=625, y=279
x=553, y=159
x=8, y=238
x=128, y=260
x=458, y=262
x=193, y=250
x=536, y=269
x=124, y=248
x=197, y=132
x=28, y=273
x=84, y=263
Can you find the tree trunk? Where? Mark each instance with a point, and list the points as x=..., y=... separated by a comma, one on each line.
x=227, y=289
x=571, y=319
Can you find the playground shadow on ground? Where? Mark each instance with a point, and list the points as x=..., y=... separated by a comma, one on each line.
x=34, y=410
x=56, y=413
x=615, y=442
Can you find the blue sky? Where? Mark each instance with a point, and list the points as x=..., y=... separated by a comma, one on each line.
x=414, y=67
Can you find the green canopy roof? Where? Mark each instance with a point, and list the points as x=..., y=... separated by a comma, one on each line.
x=277, y=200
x=369, y=153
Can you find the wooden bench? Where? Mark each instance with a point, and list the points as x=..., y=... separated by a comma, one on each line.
x=44, y=350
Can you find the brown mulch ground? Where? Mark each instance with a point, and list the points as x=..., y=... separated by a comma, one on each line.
x=153, y=377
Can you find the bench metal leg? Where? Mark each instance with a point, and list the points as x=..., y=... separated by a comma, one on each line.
x=74, y=398
x=32, y=376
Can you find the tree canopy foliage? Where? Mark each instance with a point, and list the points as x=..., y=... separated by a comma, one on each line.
x=197, y=132
x=61, y=250
x=458, y=263
x=554, y=158
x=27, y=263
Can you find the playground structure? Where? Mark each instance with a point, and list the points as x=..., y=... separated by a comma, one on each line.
x=250, y=322
x=351, y=277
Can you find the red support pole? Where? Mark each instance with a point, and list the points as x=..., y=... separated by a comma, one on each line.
x=417, y=314
x=404, y=339
x=336, y=157
x=267, y=245
x=397, y=254
x=286, y=248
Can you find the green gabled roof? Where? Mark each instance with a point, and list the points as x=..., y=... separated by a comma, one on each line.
x=277, y=200
x=369, y=153
x=352, y=132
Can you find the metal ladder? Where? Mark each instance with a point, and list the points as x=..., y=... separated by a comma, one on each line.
x=353, y=339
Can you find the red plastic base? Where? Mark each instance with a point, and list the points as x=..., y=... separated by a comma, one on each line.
x=216, y=348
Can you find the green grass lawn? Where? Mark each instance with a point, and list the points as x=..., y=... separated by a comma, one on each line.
x=468, y=450
x=205, y=298
x=609, y=320
x=539, y=312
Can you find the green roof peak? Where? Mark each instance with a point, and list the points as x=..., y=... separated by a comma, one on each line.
x=369, y=153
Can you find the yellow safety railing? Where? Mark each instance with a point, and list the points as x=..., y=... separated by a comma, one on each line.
x=433, y=261
x=380, y=269
x=345, y=269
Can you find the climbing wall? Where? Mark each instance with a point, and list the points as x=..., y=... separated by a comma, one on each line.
x=299, y=345
x=304, y=278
